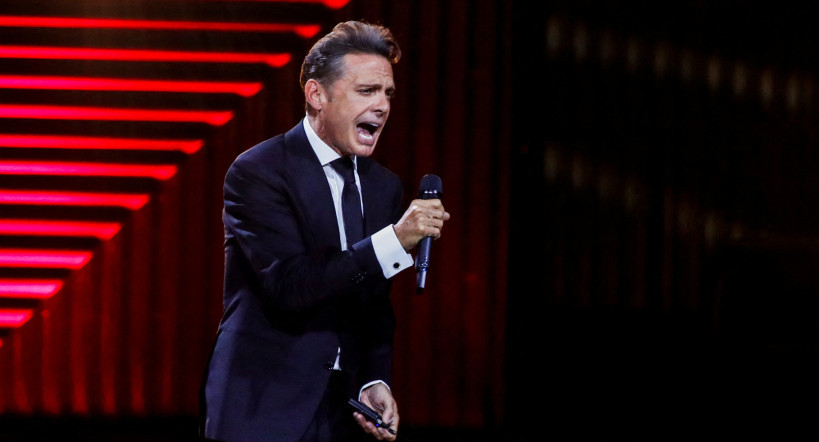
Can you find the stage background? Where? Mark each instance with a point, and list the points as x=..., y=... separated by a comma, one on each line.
x=633, y=247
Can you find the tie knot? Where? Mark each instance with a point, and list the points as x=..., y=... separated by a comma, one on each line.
x=345, y=167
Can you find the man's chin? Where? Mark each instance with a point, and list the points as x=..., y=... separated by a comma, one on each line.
x=364, y=150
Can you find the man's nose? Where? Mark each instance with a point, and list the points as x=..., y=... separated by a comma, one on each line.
x=382, y=103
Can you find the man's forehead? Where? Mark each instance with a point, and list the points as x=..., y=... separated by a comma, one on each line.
x=364, y=64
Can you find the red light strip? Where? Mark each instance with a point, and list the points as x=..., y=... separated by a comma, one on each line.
x=12, y=318
x=332, y=4
x=101, y=230
x=306, y=31
x=244, y=89
x=68, y=259
x=29, y=288
x=48, y=112
x=86, y=199
x=60, y=53
x=102, y=143
x=160, y=172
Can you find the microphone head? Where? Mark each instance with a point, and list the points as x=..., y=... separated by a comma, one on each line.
x=431, y=187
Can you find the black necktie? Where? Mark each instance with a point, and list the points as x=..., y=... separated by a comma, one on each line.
x=350, y=201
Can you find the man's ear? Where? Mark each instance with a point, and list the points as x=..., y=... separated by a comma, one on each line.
x=314, y=94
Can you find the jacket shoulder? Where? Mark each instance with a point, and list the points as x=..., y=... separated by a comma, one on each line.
x=271, y=155
x=262, y=152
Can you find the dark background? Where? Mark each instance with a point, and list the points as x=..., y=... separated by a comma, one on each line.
x=633, y=249
x=663, y=251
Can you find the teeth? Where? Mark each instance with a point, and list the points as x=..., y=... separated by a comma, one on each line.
x=370, y=127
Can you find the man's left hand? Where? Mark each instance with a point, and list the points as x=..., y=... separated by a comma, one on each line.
x=379, y=398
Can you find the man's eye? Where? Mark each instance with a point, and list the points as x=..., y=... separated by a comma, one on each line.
x=366, y=91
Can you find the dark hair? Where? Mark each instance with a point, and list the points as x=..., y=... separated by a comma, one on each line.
x=324, y=62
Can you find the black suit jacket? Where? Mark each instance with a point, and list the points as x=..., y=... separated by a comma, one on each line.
x=291, y=296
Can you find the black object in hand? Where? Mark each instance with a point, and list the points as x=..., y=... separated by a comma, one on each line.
x=430, y=189
x=371, y=415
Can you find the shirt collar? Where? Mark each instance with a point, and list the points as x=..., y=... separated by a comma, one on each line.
x=323, y=151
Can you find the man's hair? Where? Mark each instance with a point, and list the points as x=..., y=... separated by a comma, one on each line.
x=324, y=63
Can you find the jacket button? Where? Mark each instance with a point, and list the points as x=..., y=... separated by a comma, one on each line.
x=358, y=278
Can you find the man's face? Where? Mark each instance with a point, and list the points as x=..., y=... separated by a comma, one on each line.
x=355, y=107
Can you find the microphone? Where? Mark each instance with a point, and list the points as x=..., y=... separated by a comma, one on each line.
x=430, y=189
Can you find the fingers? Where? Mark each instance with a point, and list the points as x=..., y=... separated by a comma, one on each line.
x=379, y=398
x=432, y=208
x=428, y=223
x=380, y=433
x=430, y=220
x=390, y=416
x=367, y=426
x=423, y=218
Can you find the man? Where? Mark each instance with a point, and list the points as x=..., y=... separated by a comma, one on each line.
x=308, y=321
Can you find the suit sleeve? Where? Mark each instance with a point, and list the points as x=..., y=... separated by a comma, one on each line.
x=262, y=216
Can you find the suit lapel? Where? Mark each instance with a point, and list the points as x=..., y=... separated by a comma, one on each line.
x=311, y=188
x=375, y=216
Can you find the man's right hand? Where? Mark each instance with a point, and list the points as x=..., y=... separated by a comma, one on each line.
x=422, y=218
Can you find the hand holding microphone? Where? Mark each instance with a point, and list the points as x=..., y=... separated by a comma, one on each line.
x=422, y=222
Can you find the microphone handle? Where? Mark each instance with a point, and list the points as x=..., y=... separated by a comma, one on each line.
x=430, y=189
x=422, y=263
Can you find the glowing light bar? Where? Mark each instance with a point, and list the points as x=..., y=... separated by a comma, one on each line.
x=160, y=172
x=306, y=31
x=49, y=112
x=95, y=229
x=67, y=259
x=332, y=4
x=103, y=143
x=82, y=199
x=12, y=318
x=29, y=288
x=63, y=53
x=245, y=89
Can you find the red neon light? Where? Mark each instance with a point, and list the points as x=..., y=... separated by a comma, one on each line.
x=83, y=199
x=332, y=4
x=29, y=288
x=68, y=259
x=101, y=230
x=46, y=112
x=245, y=89
x=12, y=318
x=160, y=172
x=305, y=31
x=72, y=142
x=58, y=53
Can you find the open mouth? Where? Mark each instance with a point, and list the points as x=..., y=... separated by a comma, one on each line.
x=368, y=128
x=366, y=132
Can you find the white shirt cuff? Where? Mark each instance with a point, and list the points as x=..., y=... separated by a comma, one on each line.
x=389, y=252
x=370, y=384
